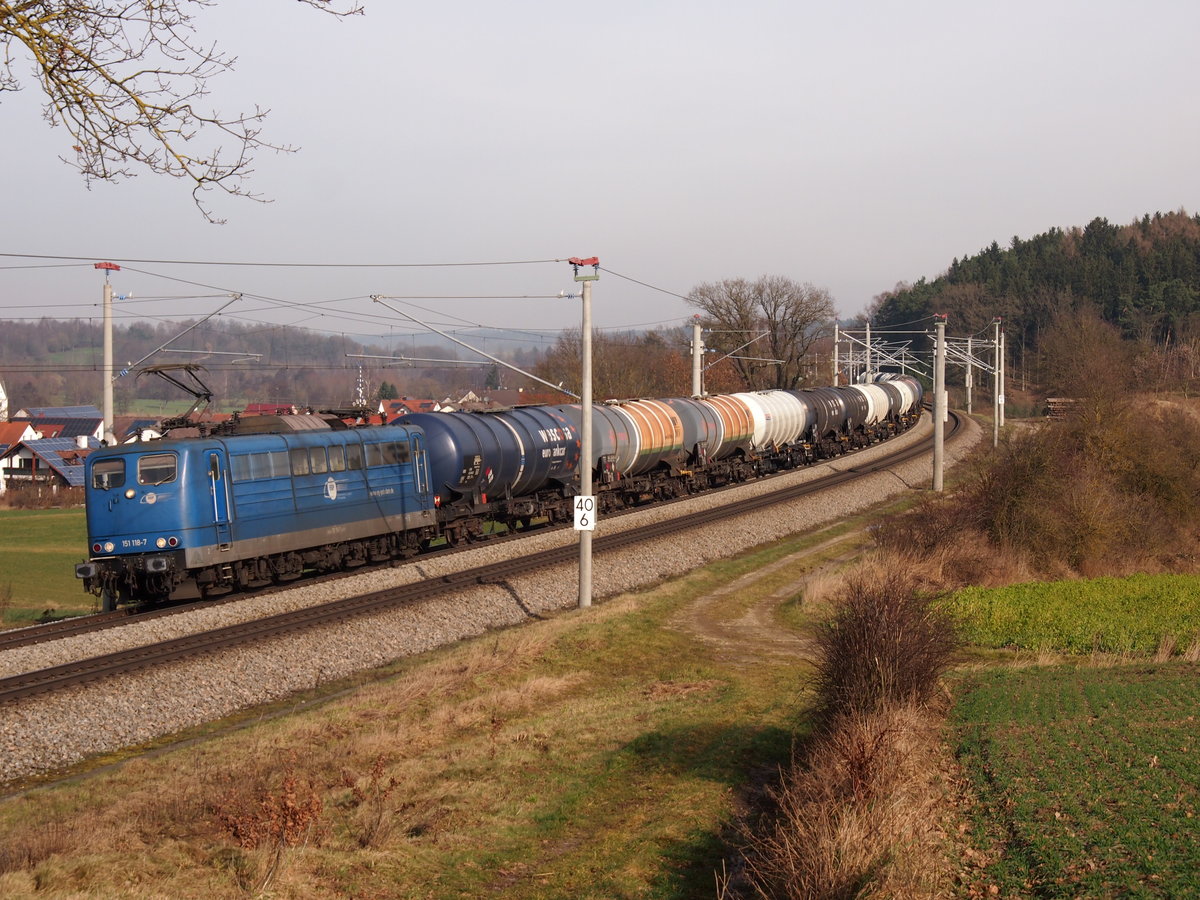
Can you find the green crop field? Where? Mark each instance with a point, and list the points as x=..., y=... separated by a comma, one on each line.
x=1088, y=779
x=1114, y=615
x=38, y=552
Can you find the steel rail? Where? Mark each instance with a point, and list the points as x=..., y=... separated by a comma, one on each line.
x=30, y=684
x=88, y=624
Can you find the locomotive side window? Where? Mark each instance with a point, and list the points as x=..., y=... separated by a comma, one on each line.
x=395, y=453
x=158, y=468
x=240, y=467
x=354, y=457
x=276, y=465
x=337, y=459
x=108, y=474
x=299, y=461
x=316, y=456
x=374, y=454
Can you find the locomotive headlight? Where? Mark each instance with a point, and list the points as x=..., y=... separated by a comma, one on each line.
x=129, y=494
x=108, y=547
x=160, y=543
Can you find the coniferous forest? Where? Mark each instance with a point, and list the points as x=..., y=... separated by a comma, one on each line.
x=1142, y=278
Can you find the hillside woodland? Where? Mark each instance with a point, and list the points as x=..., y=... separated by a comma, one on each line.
x=1143, y=279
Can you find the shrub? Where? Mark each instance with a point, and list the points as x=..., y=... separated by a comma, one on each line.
x=1109, y=490
x=886, y=645
x=272, y=818
x=41, y=496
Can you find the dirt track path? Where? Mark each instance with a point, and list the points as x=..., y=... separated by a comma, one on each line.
x=742, y=634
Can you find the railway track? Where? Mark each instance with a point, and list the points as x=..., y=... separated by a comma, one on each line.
x=30, y=684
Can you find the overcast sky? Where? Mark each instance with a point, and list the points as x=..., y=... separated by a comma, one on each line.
x=850, y=145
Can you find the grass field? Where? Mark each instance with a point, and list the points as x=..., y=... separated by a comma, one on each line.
x=1085, y=775
x=608, y=753
x=38, y=553
x=1087, y=779
x=593, y=754
x=1107, y=615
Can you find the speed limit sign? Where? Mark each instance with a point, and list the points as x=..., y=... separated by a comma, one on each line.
x=585, y=513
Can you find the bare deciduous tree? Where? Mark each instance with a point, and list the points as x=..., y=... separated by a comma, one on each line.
x=774, y=321
x=624, y=365
x=126, y=77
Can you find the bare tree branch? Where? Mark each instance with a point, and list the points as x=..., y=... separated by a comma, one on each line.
x=126, y=78
x=790, y=316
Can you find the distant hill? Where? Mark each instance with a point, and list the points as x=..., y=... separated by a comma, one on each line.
x=53, y=362
x=1143, y=277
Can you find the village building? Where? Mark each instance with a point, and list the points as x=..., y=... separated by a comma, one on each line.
x=52, y=463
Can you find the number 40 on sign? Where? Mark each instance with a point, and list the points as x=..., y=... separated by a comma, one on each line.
x=585, y=513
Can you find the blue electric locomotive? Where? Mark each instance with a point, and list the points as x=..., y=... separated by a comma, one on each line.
x=244, y=510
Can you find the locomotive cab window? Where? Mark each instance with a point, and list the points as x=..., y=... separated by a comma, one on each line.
x=337, y=458
x=354, y=457
x=317, y=457
x=108, y=474
x=157, y=468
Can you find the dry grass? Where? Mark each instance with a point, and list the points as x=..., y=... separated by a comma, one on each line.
x=1167, y=647
x=601, y=736
x=1076, y=497
x=858, y=814
x=821, y=587
x=1192, y=653
x=357, y=770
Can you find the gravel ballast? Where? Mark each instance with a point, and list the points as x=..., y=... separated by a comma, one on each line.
x=47, y=733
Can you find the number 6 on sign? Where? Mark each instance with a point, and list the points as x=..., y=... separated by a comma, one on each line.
x=585, y=513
